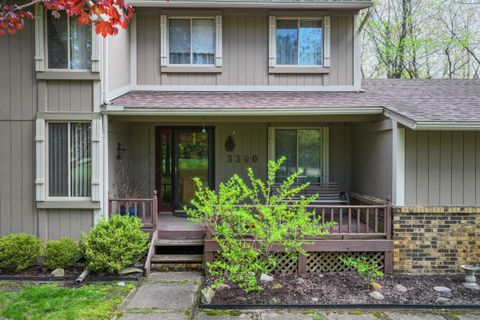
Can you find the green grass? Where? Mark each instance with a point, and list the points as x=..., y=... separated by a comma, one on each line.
x=50, y=301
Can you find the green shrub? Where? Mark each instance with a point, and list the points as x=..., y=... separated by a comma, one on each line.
x=61, y=253
x=114, y=244
x=270, y=219
x=19, y=251
x=367, y=270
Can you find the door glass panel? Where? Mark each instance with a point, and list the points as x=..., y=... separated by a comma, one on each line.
x=309, y=146
x=286, y=146
x=166, y=169
x=193, y=151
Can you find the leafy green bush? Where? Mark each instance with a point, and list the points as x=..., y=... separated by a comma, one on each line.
x=114, y=244
x=247, y=234
x=367, y=270
x=61, y=253
x=19, y=251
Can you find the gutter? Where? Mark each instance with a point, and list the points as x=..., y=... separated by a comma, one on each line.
x=252, y=4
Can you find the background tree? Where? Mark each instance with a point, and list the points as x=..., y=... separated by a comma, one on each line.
x=107, y=15
x=421, y=39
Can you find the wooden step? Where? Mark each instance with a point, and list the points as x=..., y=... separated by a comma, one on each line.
x=177, y=258
x=180, y=234
x=179, y=242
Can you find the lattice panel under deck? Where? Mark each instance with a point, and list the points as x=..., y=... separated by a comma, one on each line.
x=285, y=263
x=318, y=262
x=321, y=262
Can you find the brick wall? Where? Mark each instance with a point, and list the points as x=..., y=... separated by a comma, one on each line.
x=435, y=240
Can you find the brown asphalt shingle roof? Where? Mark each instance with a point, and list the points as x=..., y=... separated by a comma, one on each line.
x=417, y=100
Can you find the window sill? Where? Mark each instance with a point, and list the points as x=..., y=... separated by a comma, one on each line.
x=68, y=75
x=191, y=69
x=298, y=69
x=68, y=204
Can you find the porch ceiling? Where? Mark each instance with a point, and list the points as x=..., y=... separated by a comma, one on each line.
x=418, y=104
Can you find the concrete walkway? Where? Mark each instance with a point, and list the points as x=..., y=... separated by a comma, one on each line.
x=174, y=296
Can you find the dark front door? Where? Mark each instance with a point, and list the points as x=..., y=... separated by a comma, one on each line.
x=182, y=154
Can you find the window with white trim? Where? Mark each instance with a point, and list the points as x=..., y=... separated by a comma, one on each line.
x=68, y=44
x=69, y=160
x=191, y=41
x=305, y=149
x=299, y=42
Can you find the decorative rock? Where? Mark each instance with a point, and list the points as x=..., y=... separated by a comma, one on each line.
x=315, y=300
x=128, y=271
x=266, y=278
x=207, y=295
x=277, y=285
x=376, y=286
x=442, y=289
x=442, y=300
x=376, y=295
x=222, y=287
x=58, y=272
x=300, y=281
x=273, y=301
x=121, y=284
x=472, y=286
x=400, y=288
x=243, y=299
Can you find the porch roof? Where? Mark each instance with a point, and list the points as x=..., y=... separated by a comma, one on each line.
x=418, y=104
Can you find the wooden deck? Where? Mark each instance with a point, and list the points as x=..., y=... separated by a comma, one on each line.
x=357, y=229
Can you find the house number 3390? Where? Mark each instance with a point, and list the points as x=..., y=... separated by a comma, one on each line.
x=237, y=158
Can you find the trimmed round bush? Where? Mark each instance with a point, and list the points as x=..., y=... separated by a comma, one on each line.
x=19, y=251
x=115, y=244
x=62, y=253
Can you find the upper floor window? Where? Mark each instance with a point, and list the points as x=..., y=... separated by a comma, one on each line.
x=299, y=42
x=69, y=160
x=69, y=45
x=191, y=41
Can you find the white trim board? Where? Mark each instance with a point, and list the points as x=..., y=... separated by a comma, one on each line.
x=253, y=4
x=120, y=110
x=207, y=88
x=109, y=96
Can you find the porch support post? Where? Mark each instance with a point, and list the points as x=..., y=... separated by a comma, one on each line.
x=398, y=162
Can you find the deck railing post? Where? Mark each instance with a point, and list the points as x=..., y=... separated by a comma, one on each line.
x=154, y=209
x=388, y=231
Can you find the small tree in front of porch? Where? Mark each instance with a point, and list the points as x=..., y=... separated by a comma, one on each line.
x=249, y=221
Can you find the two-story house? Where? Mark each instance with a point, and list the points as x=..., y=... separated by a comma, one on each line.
x=209, y=88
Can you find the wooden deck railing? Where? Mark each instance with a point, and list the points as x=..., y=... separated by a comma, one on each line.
x=145, y=209
x=358, y=228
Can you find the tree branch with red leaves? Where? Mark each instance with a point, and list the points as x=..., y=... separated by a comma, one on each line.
x=107, y=15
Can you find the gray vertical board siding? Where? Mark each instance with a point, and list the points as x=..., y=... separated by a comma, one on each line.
x=250, y=140
x=18, y=91
x=68, y=96
x=245, y=54
x=17, y=206
x=371, y=161
x=60, y=223
x=119, y=60
x=339, y=151
x=442, y=168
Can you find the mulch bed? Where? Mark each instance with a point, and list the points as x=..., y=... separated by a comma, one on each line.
x=39, y=271
x=347, y=289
